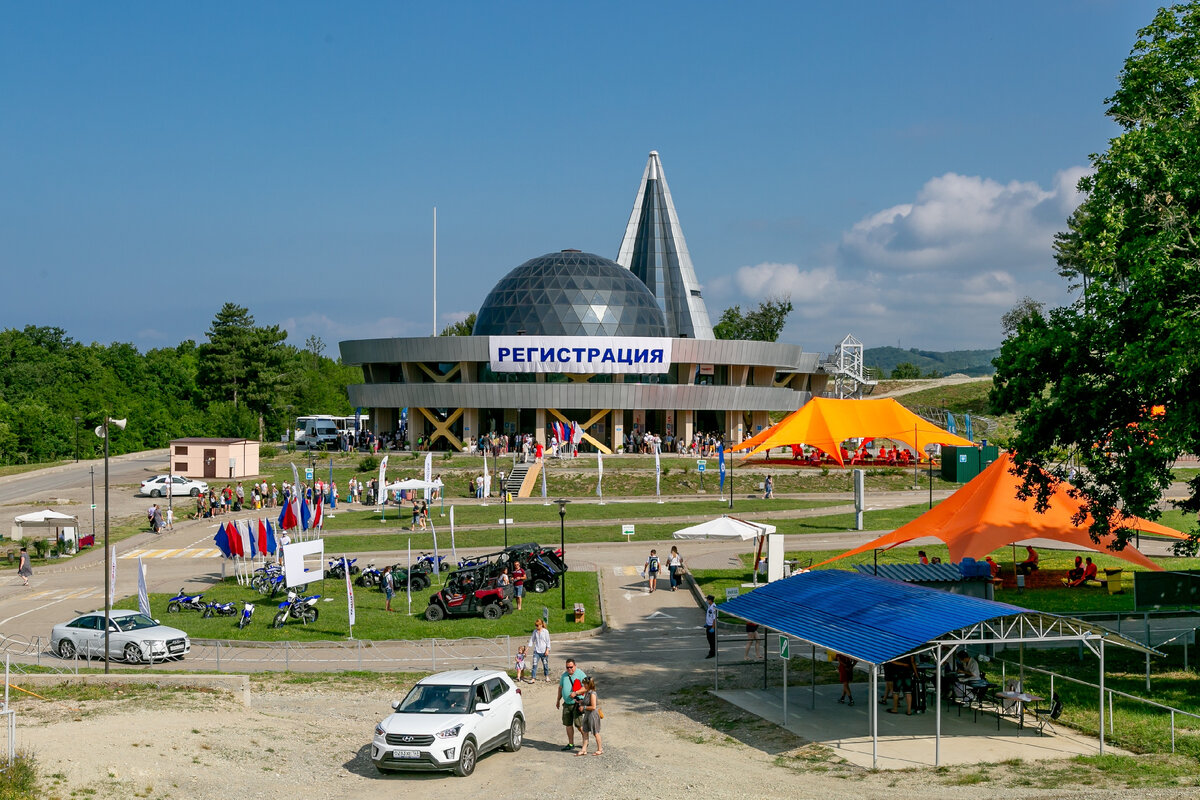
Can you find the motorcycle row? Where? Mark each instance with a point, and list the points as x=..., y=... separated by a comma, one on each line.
x=473, y=589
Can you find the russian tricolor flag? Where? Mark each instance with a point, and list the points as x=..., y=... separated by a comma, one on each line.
x=222, y=542
x=318, y=517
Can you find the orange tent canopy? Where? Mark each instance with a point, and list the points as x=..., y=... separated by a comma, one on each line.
x=985, y=515
x=826, y=422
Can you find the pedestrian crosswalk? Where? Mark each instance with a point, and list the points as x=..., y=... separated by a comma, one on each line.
x=66, y=594
x=177, y=552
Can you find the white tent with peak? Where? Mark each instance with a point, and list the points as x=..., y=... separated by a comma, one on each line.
x=66, y=525
x=725, y=527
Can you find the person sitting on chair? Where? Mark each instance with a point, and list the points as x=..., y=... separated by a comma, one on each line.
x=968, y=670
x=1031, y=561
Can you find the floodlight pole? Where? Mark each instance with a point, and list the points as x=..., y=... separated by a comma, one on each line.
x=562, y=546
x=108, y=594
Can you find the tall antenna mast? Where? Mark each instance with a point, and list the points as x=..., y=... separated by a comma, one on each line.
x=435, y=330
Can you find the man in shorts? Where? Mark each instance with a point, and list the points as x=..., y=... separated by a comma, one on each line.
x=570, y=689
x=389, y=588
x=518, y=582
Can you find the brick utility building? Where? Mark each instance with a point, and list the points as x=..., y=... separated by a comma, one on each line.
x=219, y=459
x=573, y=337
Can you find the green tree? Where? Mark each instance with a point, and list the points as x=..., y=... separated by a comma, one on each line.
x=905, y=370
x=1084, y=380
x=241, y=362
x=461, y=328
x=764, y=324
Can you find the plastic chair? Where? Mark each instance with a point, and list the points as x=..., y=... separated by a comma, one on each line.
x=1045, y=716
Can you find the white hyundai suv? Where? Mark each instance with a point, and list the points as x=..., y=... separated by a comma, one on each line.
x=448, y=720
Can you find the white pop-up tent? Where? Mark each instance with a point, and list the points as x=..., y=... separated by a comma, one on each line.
x=725, y=527
x=413, y=483
x=65, y=525
x=737, y=529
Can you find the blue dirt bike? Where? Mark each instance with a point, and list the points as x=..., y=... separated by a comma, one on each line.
x=192, y=602
x=218, y=609
x=299, y=608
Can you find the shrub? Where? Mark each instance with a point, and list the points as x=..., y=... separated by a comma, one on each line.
x=267, y=451
x=368, y=464
x=40, y=547
x=446, y=456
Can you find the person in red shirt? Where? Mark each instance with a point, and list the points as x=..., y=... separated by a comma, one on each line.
x=1089, y=574
x=518, y=582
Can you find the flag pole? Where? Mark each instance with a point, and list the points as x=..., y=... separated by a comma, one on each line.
x=435, y=330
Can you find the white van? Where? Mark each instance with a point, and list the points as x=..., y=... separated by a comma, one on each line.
x=319, y=433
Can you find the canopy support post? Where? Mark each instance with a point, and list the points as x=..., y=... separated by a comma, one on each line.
x=813, y=664
x=937, y=729
x=1102, y=697
x=875, y=717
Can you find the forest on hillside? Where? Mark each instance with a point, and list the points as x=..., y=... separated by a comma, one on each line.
x=242, y=380
x=931, y=363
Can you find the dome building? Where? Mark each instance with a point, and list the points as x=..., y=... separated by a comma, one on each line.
x=572, y=337
x=570, y=294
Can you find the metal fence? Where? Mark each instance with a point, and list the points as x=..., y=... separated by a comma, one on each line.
x=1110, y=693
x=233, y=656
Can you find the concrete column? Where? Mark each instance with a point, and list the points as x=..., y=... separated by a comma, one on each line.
x=416, y=426
x=470, y=421
x=689, y=425
x=617, y=435
x=540, y=434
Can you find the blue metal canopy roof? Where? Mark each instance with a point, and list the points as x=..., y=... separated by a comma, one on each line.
x=868, y=618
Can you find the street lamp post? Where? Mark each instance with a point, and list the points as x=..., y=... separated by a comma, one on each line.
x=102, y=431
x=504, y=489
x=562, y=546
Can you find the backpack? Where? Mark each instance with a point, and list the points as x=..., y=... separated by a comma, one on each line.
x=653, y=563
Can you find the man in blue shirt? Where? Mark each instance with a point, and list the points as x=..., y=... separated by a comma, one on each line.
x=570, y=689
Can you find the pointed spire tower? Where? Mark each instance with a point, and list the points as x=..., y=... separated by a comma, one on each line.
x=655, y=251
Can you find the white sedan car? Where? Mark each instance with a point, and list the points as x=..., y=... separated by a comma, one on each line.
x=178, y=485
x=132, y=637
x=448, y=720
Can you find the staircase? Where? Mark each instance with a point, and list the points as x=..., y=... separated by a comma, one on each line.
x=516, y=479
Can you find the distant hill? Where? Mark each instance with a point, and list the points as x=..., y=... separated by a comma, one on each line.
x=968, y=362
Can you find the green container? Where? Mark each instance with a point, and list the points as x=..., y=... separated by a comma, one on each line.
x=961, y=464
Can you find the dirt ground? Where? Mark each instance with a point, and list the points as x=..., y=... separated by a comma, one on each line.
x=308, y=737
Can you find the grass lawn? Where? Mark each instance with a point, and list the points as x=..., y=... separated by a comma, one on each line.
x=529, y=510
x=372, y=622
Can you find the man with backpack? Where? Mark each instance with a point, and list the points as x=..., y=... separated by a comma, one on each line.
x=650, y=569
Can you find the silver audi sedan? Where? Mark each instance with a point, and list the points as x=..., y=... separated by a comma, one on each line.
x=133, y=637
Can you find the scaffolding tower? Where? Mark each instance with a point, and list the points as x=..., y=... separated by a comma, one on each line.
x=851, y=379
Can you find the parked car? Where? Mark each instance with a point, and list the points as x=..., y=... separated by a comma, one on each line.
x=133, y=637
x=180, y=486
x=448, y=720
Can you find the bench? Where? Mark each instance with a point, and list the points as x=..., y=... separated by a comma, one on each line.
x=579, y=612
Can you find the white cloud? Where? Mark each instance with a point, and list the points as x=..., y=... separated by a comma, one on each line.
x=937, y=272
x=332, y=331
x=958, y=221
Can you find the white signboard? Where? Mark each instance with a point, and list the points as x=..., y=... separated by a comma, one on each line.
x=580, y=354
x=295, y=571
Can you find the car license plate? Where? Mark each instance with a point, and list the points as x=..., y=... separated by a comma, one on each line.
x=406, y=754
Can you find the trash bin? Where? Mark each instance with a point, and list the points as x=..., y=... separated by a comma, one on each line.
x=1114, y=580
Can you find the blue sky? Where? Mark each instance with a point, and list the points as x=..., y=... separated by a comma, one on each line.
x=898, y=168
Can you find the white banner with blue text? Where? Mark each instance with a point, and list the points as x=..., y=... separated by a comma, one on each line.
x=634, y=355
